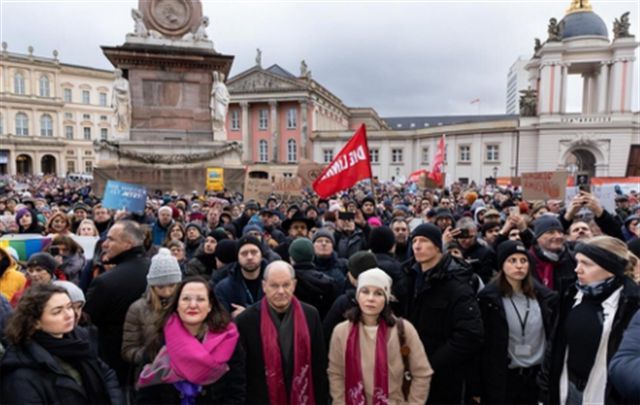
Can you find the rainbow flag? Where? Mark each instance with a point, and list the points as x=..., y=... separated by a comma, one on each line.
x=25, y=244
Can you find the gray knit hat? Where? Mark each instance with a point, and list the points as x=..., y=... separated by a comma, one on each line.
x=75, y=293
x=164, y=269
x=324, y=233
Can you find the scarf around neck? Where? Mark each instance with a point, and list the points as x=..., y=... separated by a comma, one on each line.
x=188, y=363
x=302, y=382
x=354, y=384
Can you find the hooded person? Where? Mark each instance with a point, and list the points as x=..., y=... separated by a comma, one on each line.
x=12, y=281
x=204, y=262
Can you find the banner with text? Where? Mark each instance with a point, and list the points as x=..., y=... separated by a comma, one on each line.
x=119, y=195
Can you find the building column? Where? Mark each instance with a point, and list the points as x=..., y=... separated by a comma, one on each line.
x=274, y=129
x=304, y=130
x=563, y=88
x=628, y=89
x=616, y=85
x=246, y=138
x=544, y=89
x=603, y=87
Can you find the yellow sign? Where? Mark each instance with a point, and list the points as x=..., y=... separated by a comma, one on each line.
x=215, y=179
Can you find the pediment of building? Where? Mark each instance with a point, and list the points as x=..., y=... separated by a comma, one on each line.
x=262, y=81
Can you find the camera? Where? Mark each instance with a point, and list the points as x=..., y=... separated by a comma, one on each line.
x=54, y=251
x=464, y=234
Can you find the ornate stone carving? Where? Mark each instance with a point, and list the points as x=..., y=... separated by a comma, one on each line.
x=140, y=29
x=219, y=103
x=163, y=158
x=171, y=18
x=621, y=27
x=121, y=101
x=537, y=45
x=201, y=32
x=259, y=81
x=528, y=103
x=554, y=30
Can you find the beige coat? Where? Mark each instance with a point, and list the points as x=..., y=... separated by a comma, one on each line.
x=418, y=363
x=139, y=329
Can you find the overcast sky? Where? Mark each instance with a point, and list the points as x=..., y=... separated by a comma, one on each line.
x=401, y=58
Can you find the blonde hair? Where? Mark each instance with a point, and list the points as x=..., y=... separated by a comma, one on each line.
x=91, y=224
x=617, y=247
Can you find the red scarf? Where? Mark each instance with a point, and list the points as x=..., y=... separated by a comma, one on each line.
x=302, y=381
x=354, y=385
x=544, y=270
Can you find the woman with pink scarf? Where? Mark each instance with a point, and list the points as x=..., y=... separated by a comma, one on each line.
x=196, y=355
x=365, y=362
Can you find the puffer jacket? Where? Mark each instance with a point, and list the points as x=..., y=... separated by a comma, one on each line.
x=139, y=329
x=11, y=280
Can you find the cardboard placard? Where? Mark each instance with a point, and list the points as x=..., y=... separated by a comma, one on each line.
x=287, y=187
x=308, y=171
x=544, y=185
x=256, y=189
x=119, y=195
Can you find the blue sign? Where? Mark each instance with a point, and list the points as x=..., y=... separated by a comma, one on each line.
x=119, y=195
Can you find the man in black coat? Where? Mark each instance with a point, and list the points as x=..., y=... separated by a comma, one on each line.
x=552, y=255
x=278, y=285
x=110, y=295
x=481, y=258
x=441, y=305
x=381, y=243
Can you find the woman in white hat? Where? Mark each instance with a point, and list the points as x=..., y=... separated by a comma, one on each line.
x=372, y=351
x=139, y=325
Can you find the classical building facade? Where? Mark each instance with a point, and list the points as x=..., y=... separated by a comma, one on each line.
x=50, y=114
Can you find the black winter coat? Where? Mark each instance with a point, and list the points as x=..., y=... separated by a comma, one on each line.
x=229, y=389
x=564, y=274
x=337, y=312
x=31, y=375
x=248, y=323
x=346, y=245
x=314, y=287
x=495, y=358
x=394, y=269
x=108, y=300
x=549, y=379
x=334, y=267
x=445, y=313
x=482, y=260
x=233, y=290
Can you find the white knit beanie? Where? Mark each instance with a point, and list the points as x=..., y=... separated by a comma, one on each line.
x=375, y=277
x=75, y=293
x=164, y=269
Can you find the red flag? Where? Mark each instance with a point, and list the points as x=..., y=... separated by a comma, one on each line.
x=415, y=176
x=436, y=169
x=349, y=167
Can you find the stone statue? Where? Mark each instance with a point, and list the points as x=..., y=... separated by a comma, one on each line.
x=201, y=32
x=621, y=27
x=258, y=57
x=554, y=31
x=121, y=102
x=537, y=46
x=528, y=103
x=139, y=29
x=219, y=102
x=304, y=70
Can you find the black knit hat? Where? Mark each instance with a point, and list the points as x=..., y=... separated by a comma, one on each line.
x=44, y=260
x=546, y=223
x=508, y=248
x=430, y=232
x=227, y=251
x=360, y=262
x=218, y=234
x=248, y=239
x=381, y=239
x=368, y=199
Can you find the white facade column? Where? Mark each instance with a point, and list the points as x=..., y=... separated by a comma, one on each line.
x=585, y=93
x=304, y=130
x=274, y=129
x=603, y=87
x=246, y=139
x=615, y=85
x=630, y=88
x=563, y=87
x=543, y=91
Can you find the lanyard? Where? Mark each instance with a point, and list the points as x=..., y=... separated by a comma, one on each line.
x=523, y=323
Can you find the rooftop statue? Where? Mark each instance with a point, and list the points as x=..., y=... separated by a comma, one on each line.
x=528, y=102
x=621, y=27
x=121, y=101
x=219, y=102
x=258, y=57
x=554, y=30
x=201, y=32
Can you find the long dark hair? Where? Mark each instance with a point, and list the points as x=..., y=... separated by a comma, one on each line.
x=354, y=315
x=217, y=320
x=22, y=324
x=528, y=288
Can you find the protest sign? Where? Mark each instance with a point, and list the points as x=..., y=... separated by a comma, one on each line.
x=87, y=243
x=287, y=187
x=256, y=188
x=119, y=195
x=544, y=185
x=215, y=179
x=309, y=171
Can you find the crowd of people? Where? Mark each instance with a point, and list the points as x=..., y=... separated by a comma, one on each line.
x=384, y=294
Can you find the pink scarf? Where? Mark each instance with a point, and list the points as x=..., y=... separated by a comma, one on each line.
x=354, y=385
x=302, y=381
x=184, y=358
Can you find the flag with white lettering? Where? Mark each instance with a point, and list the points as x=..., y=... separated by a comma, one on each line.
x=436, y=170
x=349, y=167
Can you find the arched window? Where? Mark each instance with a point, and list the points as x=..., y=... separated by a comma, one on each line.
x=44, y=86
x=46, y=125
x=292, y=150
x=22, y=124
x=18, y=84
x=263, y=151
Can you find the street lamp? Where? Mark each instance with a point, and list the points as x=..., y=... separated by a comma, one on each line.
x=495, y=172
